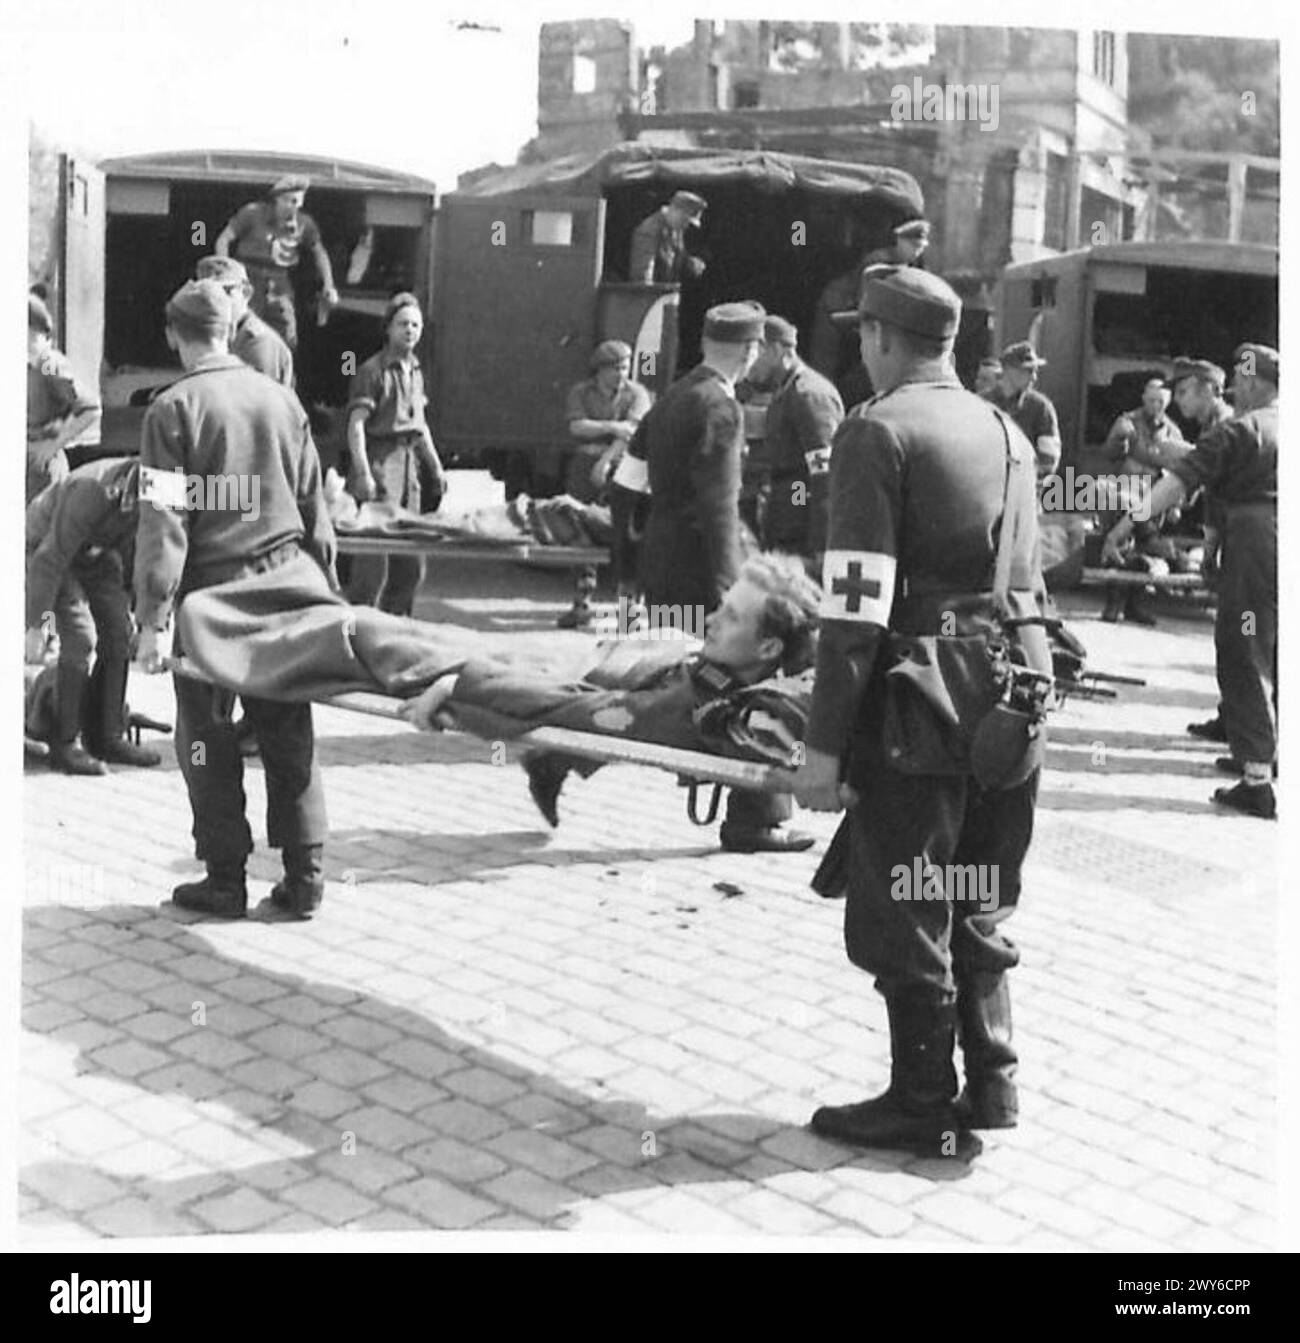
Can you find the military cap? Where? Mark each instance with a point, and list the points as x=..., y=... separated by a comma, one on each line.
x=38, y=316
x=735, y=323
x=291, y=182
x=1198, y=368
x=397, y=303
x=610, y=353
x=223, y=269
x=690, y=203
x=912, y=300
x=1021, y=354
x=913, y=228
x=1260, y=361
x=201, y=304
x=777, y=331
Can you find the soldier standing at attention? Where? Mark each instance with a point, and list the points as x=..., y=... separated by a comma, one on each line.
x=253, y=340
x=59, y=404
x=1030, y=409
x=923, y=479
x=804, y=413
x=270, y=236
x=387, y=432
x=659, y=254
x=1237, y=461
x=221, y=422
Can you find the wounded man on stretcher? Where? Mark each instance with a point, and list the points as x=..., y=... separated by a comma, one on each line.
x=283, y=635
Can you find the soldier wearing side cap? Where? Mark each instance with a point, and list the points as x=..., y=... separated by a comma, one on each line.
x=802, y=417
x=692, y=443
x=269, y=237
x=659, y=254
x=220, y=423
x=1237, y=460
x=925, y=478
x=254, y=341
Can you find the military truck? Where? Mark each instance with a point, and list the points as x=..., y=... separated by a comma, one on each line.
x=532, y=273
x=127, y=233
x=1109, y=318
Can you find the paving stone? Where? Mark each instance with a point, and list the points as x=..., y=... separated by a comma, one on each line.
x=140, y=1218
x=436, y=1203
x=330, y=1201
x=243, y=1210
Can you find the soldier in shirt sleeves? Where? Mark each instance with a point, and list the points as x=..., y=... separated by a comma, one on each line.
x=919, y=478
x=230, y=486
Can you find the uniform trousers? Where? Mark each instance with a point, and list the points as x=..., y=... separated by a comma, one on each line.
x=92, y=616
x=917, y=943
x=212, y=764
x=390, y=582
x=1245, y=632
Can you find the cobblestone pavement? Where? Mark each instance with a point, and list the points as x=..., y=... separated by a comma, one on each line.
x=615, y=1028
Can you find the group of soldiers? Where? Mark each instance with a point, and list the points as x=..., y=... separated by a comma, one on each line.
x=917, y=509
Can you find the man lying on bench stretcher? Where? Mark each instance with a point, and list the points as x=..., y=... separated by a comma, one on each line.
x=285, y=635
x=745, y=693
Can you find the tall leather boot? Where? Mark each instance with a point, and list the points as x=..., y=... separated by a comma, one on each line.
x=105, y=717
x=988, y=1100
x=71, y=682
x=302, y=888
x=916, y=1113
x=1114, y=603
x=222, y=893
x=1136, y=611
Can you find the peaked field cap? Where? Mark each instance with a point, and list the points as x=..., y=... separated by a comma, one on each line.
x=1021, y=354
x=690, y=202
x=1198, y=368
x=1261, y=360
x=913, y=228
x=223, y=269
x=201, y=303
x=778, y=331
x=610, y=353
x=38, y=316
x=291, y=182
x=991, y=363
x=912, y=300
x=735, y=323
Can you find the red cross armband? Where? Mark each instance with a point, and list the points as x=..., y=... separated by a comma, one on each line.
x=818, y=461
x=858, y=585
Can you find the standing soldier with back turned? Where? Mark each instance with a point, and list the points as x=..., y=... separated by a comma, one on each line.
x=221, y=421
x=925, y=477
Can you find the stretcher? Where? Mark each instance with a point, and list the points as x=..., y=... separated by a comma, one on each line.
x=692, y=767
x=1129, y=578
x=584, y=561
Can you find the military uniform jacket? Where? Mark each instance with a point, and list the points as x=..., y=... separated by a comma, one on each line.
x=805, y=412
x=261, y=347
x=229, y=475
x=1236, y=460
x=658, y=250
x=91, y=511
x=917, y=481
x=693, y=441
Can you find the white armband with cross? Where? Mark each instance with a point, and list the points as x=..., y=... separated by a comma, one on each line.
x=858, y=585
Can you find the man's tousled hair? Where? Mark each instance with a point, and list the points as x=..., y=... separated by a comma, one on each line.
x=790, y=611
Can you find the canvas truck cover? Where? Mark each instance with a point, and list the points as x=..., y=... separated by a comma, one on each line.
x=637, y=164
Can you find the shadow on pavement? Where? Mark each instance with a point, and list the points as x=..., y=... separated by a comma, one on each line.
x=447, y=1133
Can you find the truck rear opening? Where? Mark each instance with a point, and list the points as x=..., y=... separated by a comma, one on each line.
x=1204, y=314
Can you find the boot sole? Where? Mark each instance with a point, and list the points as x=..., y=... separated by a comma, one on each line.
x=946, y=1140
